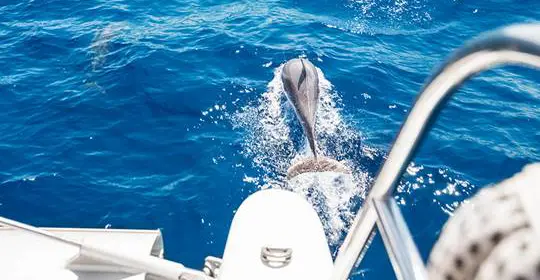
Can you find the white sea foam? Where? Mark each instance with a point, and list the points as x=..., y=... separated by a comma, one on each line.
x=269, y=128
x=272, y=134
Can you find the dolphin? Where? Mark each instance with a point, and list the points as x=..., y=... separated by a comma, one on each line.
x=101, y=43
x=301, y=84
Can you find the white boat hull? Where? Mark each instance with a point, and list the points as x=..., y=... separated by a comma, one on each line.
x=276, y=234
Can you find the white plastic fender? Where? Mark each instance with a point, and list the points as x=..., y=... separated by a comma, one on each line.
x=276, y=234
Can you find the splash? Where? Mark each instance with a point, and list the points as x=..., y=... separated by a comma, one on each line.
x=268, y=143
x=274, y=141
x=449, y=189
x=271, y=129
x=332, y=195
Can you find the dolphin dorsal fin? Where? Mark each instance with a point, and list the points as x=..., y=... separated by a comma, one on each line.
x=303, y=74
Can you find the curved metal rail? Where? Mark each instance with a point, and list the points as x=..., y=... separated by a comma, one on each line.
x=517, y=44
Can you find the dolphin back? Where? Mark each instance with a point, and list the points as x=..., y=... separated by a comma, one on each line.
x=301, y=83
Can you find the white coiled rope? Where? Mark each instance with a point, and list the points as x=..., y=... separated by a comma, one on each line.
x=483, y=238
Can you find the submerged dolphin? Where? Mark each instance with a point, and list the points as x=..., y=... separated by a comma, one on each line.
x=301, y=83
x=102, y=41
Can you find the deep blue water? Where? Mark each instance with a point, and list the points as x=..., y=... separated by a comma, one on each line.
x=150, y=114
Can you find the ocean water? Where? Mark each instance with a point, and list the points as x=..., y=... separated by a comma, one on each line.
x=167, y=114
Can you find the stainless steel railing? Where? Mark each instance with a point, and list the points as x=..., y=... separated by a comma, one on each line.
x=517, y=44
x=162, y=268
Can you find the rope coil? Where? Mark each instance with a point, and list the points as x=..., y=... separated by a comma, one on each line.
x=479, y=238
